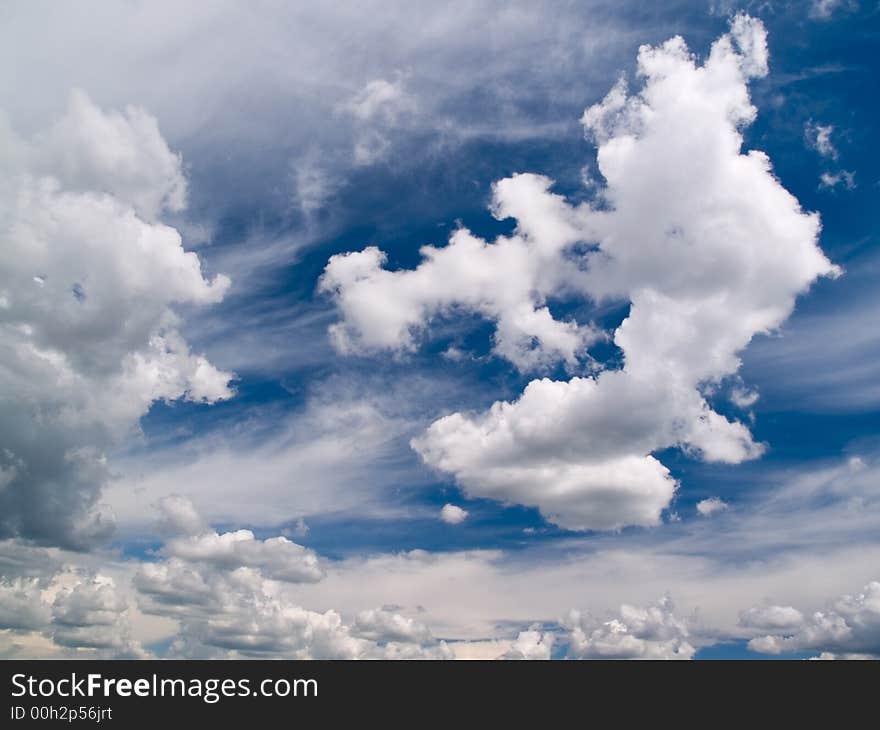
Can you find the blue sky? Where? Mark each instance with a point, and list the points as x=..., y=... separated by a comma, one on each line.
x=686, y=464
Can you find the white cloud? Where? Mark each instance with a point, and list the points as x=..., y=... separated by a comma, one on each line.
x=276, y=557
x=90, y=338
x=507, y=281
x=178, y=516
x=71, y=613
x=226, y=607
x=841, y=177
x=818, y=137
x=452, y=514
x=383, y=625
x=190, y=539
x=530, y=645
x=851, y=626
x=711, y=506
x=270, y=470
x=377, y=109
x=770, y=618
x=815, y=532
x=21, y=604
x=744, y=398
x=240, y=613
x=652, y=632
x=92, y=615
x=702, y=239
x=123, y=154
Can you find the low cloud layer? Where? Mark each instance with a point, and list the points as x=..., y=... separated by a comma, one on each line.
x=848, y=628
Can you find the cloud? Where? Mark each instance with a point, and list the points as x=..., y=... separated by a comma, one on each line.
x=379, y=99
x=277, y=466
x=384, y=626
x=71, y=613
x=792, y=542
x=818, y=137
x=92, y=615
x=850, y=627
x=21, y=604
x=178, y=516
x=452, y=514
x=711, y=506
x=652, y=632
x=702, y=240
x=123, y=154
x=230, y=596
x=378, y=110
x=507, y=281
x=276, y=557
x=530, y=645
x=841, y=177
x=824, y=9
x=88, y=286
x=239, y=613
x=771, y=618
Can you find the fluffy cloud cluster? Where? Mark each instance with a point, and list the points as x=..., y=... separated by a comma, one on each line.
x=88, y=334
x=507, y=281
x=277, y=557
x=849, y=628
x=78, y=614
x=231, y=595
x=652, y=632
x=700, y=238
x=531, y=645
x=242, y=613
x=711, y=506
x=452, y=514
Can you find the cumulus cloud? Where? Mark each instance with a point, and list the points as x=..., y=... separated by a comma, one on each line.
x=230, y=594
x=178, y=516
x=699, y=237
x=452, y=514
x=849, y=627
x=21, y=604
x=74, y=613
x=507, y=281
x=91, y=614
x=384, y=625
x=88, y=285
x=276, y=557
x=223, y=613
x=530, y=645
x=651, y=632
x=770, y=618
x=711, y=506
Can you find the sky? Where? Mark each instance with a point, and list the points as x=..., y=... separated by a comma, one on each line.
x=404, y=330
